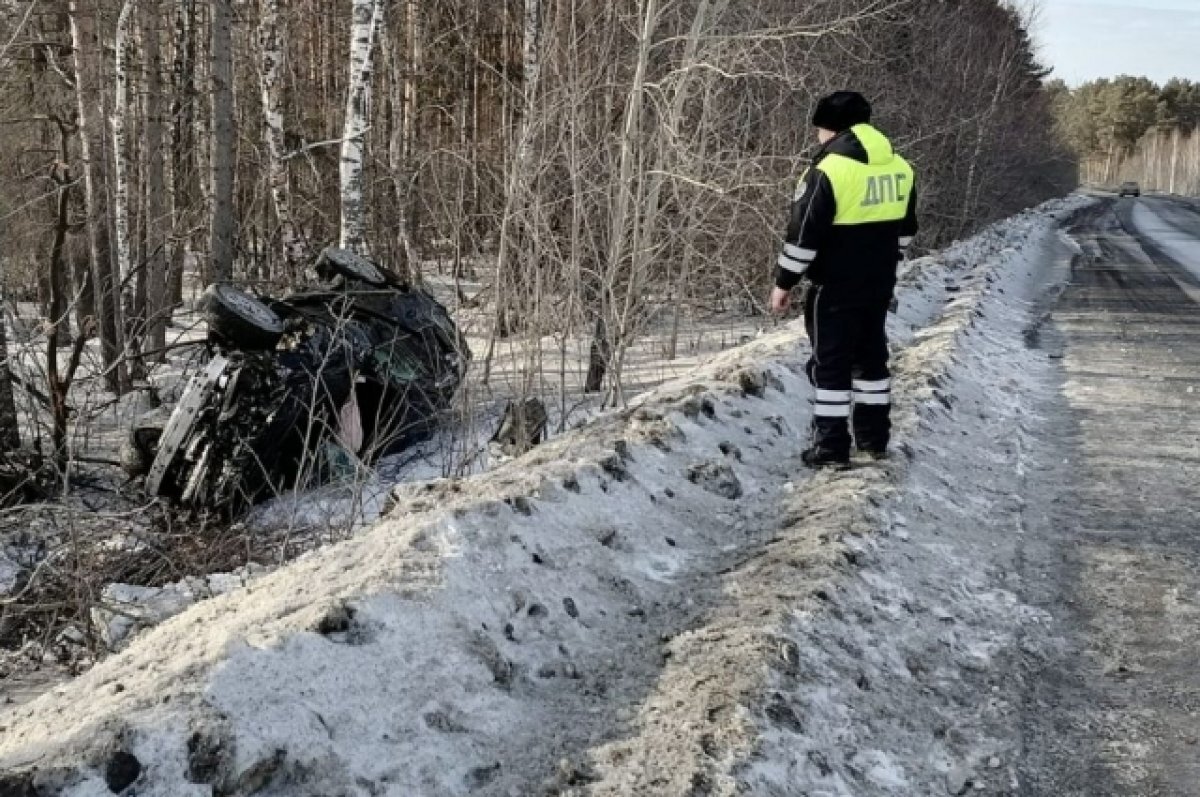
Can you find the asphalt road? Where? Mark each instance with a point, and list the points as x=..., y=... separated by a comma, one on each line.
x=1115, y=553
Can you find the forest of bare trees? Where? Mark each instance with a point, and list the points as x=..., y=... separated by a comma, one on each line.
x=596, y=189
x=592, y=168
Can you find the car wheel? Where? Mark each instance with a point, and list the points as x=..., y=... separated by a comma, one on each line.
x=351, y=266
x=240, y=319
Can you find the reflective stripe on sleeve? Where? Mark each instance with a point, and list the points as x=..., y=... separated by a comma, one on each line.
x=794, y=266
x=799, y=253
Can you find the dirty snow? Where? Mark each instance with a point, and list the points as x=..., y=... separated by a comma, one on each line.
x=124, y=609
x=662, y=602
x=913, y=682
x=9, y=573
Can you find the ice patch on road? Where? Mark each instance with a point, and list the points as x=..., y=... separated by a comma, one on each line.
x=1182, y=248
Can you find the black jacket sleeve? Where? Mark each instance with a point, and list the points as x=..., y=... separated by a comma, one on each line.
x=812, y=215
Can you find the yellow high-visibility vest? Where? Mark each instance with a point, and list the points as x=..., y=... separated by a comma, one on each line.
x=869, y=192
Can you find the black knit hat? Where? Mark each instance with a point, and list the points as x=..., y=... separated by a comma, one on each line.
x=842, y=110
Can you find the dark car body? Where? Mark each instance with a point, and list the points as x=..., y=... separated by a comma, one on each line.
x=296, y=388
x=1129, y=188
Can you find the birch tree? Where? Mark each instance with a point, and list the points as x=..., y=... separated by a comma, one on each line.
x=222, y=224
x=122, y=108
x=616, y=162
x=404, y=131
x=156, y=211
x=271, y=44
x=367, y=16
x=87, y=74
x=184, y=189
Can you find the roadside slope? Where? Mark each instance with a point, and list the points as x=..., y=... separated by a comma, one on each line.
x=621, y=611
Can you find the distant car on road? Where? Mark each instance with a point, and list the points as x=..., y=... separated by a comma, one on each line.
x=1129, y=188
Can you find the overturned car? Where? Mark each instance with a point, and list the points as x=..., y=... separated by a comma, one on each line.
x=298, y=389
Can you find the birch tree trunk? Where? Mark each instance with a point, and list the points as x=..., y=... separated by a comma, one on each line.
x=185, y=195
x=367, y=17
x=91, y=140
x=221, y=236
x=531, y=62
x=404, y=136
x=158, y=307
x=1174, y=159
x=271, y=42
x=468, y=231
x=120, y=144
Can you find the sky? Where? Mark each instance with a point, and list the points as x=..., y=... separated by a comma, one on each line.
x=1087, y=39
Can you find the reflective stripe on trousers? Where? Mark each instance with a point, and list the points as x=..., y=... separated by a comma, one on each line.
x=877, y=392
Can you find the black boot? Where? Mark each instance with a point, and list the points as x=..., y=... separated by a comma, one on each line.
x=830, y=445
x=872, y=429
x=818, y=456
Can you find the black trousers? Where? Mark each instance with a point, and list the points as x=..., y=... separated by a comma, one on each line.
x=849, y=367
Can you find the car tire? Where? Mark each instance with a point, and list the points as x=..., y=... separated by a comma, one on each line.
x=240, y=319
x=351, y=266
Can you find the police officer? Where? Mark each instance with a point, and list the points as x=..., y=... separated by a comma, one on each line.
x=852, y=219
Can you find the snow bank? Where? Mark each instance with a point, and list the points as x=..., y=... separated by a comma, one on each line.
x=913, y=681
x=621, y=611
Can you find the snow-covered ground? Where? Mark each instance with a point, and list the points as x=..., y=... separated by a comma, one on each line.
x=660, y=602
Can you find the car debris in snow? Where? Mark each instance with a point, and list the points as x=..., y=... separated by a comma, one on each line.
x=300, y=389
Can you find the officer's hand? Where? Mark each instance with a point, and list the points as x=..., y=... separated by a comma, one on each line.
x=780, y=299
